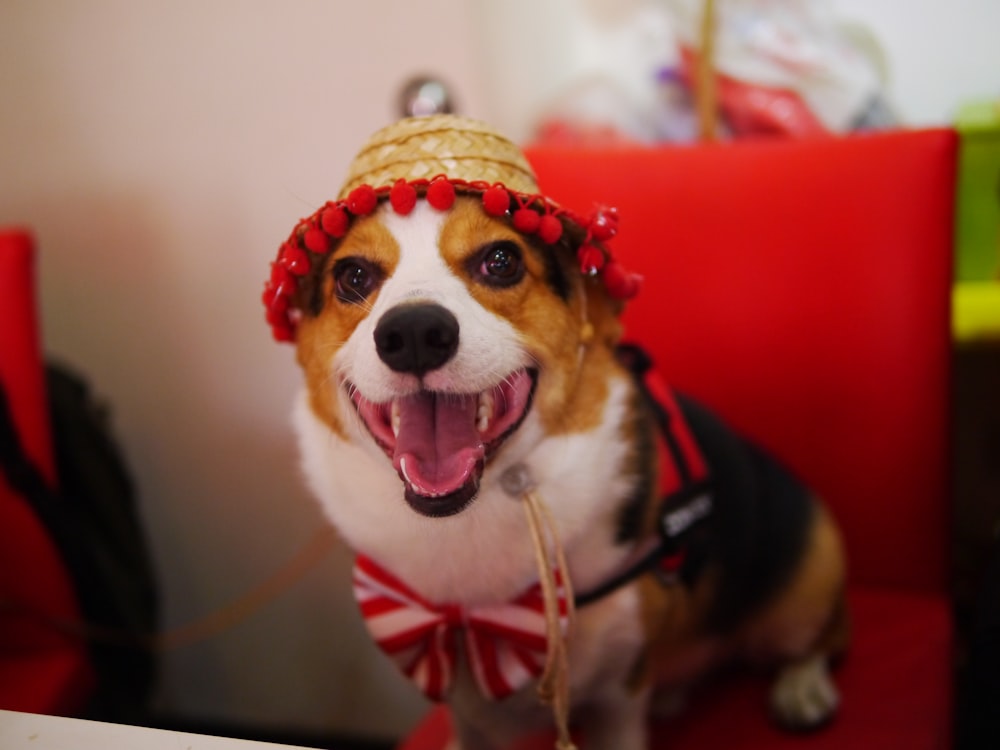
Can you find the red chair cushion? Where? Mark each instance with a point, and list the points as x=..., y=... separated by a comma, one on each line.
x=802, y=288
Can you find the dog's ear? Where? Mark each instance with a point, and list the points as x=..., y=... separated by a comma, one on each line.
x=602, y=316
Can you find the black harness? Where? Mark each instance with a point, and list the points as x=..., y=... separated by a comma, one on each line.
x=685, y=485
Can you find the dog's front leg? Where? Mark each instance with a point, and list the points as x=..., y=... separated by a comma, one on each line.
x=618, y=722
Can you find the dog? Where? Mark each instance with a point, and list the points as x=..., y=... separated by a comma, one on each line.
x=456, y=360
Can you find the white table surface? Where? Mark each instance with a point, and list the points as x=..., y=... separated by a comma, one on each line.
x=19, y=731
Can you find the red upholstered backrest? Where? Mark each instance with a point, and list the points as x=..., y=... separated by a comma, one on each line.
x=802, y=289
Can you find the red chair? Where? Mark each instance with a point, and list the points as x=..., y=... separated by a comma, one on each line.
x=802, y=289
x=41, y=669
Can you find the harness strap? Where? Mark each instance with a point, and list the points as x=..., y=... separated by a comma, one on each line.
x=685, y=486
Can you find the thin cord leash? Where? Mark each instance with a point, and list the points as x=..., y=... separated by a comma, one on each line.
x=203, y=628
x=553, y=685
x=253, y=600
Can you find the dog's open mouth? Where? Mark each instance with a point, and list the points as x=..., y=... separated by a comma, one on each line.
x=439, y=442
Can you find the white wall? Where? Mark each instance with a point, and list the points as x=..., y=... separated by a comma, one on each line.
x=937, y=54
x=162, y=150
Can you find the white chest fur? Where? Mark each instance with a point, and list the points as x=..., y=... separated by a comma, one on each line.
x=484, y=553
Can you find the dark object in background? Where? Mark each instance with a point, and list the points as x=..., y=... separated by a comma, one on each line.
x=93, y=521
x=979, y=687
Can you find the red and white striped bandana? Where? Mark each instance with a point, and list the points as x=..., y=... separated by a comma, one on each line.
x=505, y=644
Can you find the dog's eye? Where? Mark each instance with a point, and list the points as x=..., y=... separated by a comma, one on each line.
x=501, y=264
x=355, y=279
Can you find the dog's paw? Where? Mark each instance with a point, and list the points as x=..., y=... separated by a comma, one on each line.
x=804, y=696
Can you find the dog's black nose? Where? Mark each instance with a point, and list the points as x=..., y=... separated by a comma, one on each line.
x=416, y=337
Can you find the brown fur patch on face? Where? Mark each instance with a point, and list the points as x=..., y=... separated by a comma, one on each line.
x=571, y=337
x=320, y=336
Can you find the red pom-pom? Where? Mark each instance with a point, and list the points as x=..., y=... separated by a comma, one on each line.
x=278, y=295
x=268, y=295
x=620, y=283
x=403, y=197
x=362, y=200
x=295, y=259
x=591, y=260
x=441, y=194
x=315, y=239
x=283, y=332
x=496, y=200
x=604, y=224
x=280, y=276
x=526, y=220
x=550, y=229
x=334, y=221
x=277, y=313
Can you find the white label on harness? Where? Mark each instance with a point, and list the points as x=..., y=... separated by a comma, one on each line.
x=683, y=518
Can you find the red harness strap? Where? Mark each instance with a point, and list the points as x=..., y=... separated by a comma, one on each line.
x=684, y=481
x=681, y=462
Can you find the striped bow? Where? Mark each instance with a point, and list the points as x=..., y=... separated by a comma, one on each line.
x=506, y=644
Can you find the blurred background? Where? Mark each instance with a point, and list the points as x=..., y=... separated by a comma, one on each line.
x=160, y=152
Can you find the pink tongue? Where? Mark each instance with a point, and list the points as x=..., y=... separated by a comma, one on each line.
x=438, y=445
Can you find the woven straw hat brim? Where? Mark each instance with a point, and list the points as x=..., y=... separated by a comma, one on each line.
x=424, y=147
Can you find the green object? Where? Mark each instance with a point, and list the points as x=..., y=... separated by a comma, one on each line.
x=976, y=312
x=977, y=240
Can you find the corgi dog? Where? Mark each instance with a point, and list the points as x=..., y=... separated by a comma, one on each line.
x=460, y=354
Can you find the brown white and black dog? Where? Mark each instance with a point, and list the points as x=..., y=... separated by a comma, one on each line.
x=447, y=348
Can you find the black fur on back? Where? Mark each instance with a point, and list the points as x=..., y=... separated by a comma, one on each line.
x=758, y=528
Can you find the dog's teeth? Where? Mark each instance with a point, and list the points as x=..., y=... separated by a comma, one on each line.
x=485, y=411
x=394, y=418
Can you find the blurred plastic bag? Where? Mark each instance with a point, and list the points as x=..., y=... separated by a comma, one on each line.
x=610, y=89
x=786, y=67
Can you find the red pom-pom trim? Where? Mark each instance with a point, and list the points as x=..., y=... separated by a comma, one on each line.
x=533, y=214
x=283, y=333
x=620, y=283
x=550, y=229
x=295, y=259
x=334, y=221
x=403, y=197
x=526, y=220
x=591, y=260
x=277, y=312
x=604, y=224
x=269, y=296
x=316, y=239
x=496, y=200
x=441, y=194
x=362, y=200
x=280, y=277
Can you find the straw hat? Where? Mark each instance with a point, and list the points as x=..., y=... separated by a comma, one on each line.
x=435, y=159
x=425, y=147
